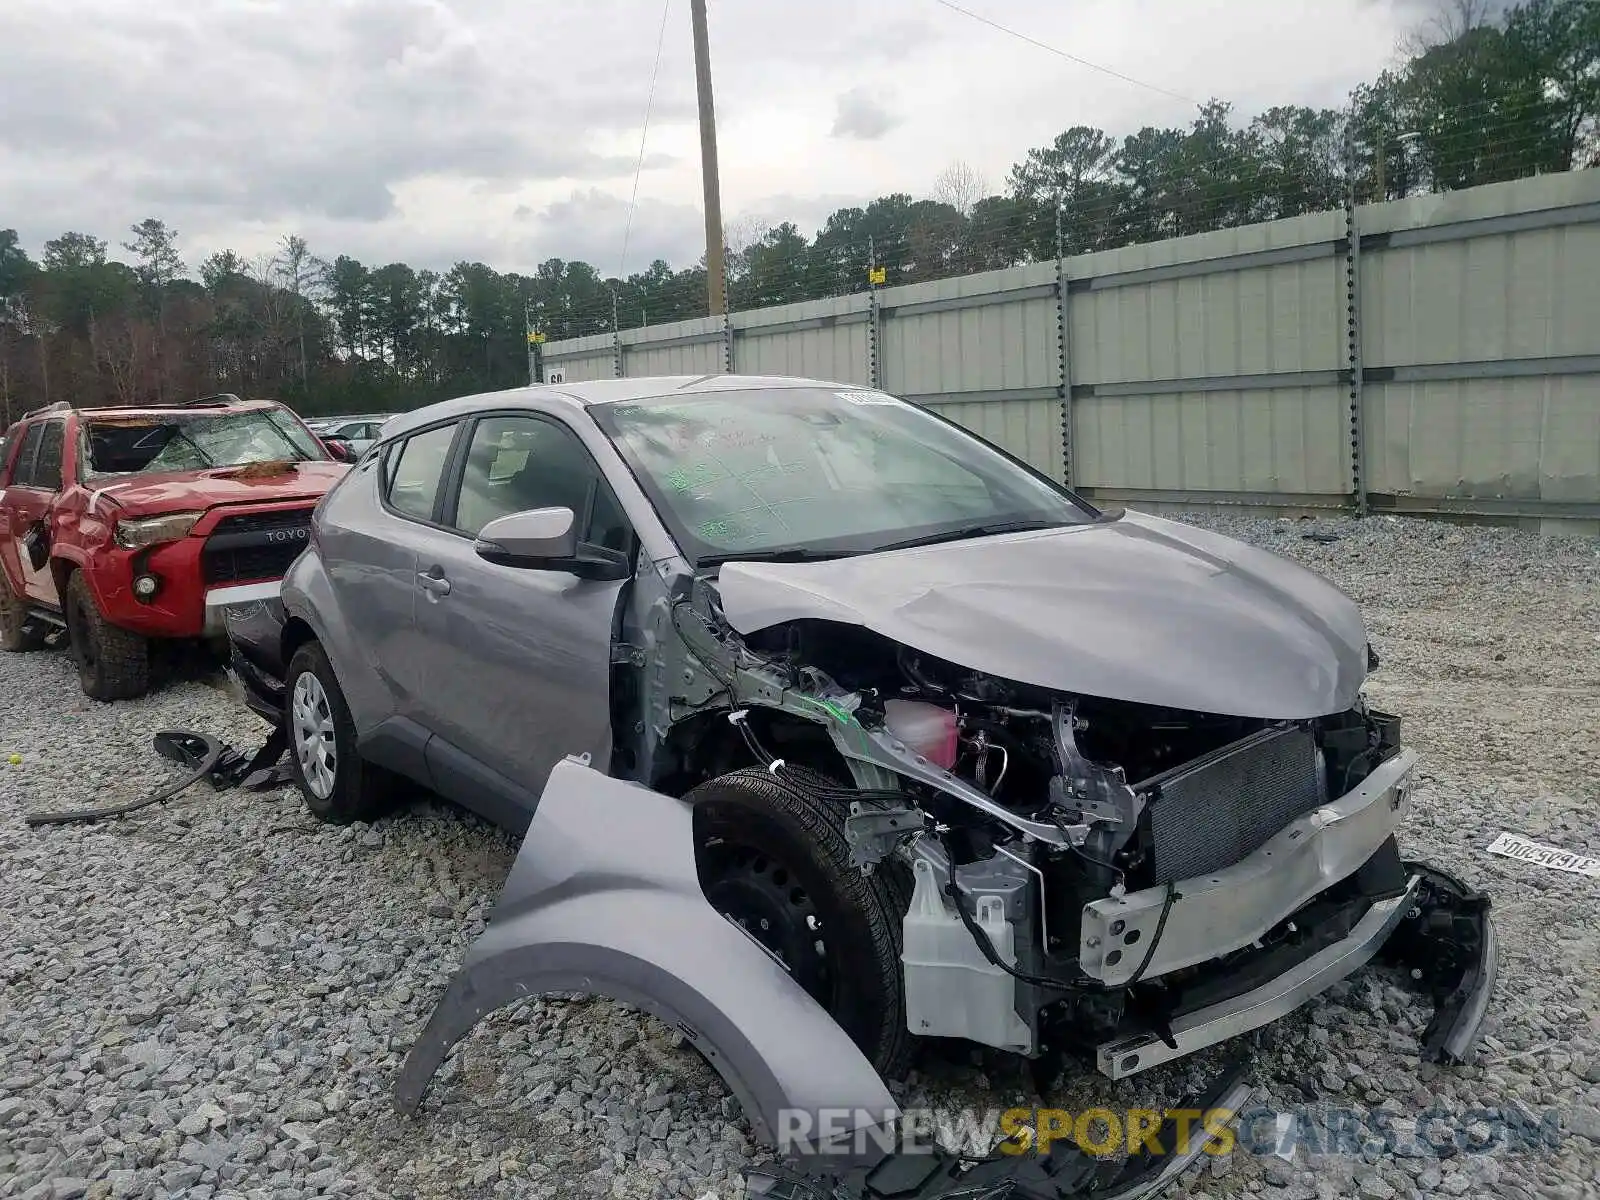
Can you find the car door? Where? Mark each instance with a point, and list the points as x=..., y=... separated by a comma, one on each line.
x=517, y=662
x=32, y=493
x=19, y=501
x=367, y=535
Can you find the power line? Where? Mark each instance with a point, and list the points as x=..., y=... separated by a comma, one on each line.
x=1082, y=62
x=649, y=105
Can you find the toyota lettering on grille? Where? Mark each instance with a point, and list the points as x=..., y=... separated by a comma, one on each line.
x=288, y=535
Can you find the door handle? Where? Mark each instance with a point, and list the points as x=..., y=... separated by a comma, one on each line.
x=436, y=585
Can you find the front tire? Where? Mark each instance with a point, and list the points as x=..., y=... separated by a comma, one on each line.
x=113, y=663
x=773, y=858
x=338, y=786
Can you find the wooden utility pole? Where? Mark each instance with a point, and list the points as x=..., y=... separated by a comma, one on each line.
x=716, y=268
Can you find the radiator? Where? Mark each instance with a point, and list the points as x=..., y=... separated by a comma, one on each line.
x=1211, y=812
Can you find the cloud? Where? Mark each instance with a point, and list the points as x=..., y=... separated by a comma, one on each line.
x=860, y=114
x=427, y=130
x=294, y=111
x=589, y=226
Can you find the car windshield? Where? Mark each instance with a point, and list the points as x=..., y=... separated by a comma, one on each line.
x=146, y=443
x=816, y=472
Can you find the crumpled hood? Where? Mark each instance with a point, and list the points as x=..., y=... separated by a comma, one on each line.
x=1139, y=609
x=195, y=491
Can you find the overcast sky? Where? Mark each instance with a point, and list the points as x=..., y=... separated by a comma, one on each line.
x=508, y=130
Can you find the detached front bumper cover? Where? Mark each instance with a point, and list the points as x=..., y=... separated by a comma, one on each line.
x=1446, y=943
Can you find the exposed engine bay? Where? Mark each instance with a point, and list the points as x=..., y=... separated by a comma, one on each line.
x=1074, y=861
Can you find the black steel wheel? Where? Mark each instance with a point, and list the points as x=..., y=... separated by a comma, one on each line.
x=773, y=858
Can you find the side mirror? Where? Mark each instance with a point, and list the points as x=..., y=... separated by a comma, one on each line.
x=547, y=539
x=340, y=450
x=525, y=538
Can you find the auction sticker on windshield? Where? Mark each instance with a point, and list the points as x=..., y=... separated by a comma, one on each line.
x=866, y=398
x=1509, y=845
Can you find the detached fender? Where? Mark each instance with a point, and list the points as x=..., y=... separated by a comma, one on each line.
x=604, y=898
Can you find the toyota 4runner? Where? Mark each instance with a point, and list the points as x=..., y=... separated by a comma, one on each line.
x=126, y=525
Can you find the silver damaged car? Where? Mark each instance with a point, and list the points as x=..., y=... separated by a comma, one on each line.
x=832, y=727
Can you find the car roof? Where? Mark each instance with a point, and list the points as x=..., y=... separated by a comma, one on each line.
x=590, y=393
x=162, y=410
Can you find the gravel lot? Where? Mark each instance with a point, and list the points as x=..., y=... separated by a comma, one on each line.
x=211, y=998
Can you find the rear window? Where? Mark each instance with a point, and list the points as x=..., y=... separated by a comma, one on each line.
x=147, y=443
x=22, y=471
x=414, y=472
x=47, y=467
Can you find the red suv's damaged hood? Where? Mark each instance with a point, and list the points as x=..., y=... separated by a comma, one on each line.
x=195, y=491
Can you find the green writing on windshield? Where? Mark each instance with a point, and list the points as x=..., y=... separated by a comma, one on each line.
x=681, y=479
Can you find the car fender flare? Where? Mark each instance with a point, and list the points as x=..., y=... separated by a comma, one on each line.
x=304, y=584
x=307, y=595
x=604, y=899
x=75, y=559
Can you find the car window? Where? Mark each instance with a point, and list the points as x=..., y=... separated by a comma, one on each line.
x=47, y=467
x=519, y=463
x=186, y=440
x=414, y=469
x=821, y=471
x=23, y=476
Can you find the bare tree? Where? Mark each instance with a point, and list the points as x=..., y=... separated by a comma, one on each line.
x=960, y=185
x=298, y=271
x=5, y=375
x=738, y=235
x=1448, y=21
x=123, y=351
x=156, y=248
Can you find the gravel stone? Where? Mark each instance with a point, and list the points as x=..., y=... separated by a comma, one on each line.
x=193, y=1124
x=1277, y=1171
x=210, y=999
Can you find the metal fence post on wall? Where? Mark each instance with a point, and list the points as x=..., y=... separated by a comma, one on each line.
x=874, y=317
x=616, y=339
x=1063, y=352
x=1352, y=273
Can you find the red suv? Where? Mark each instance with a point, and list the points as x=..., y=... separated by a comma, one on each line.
x=124, y=525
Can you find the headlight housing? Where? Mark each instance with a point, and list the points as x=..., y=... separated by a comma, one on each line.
x=152, y=531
